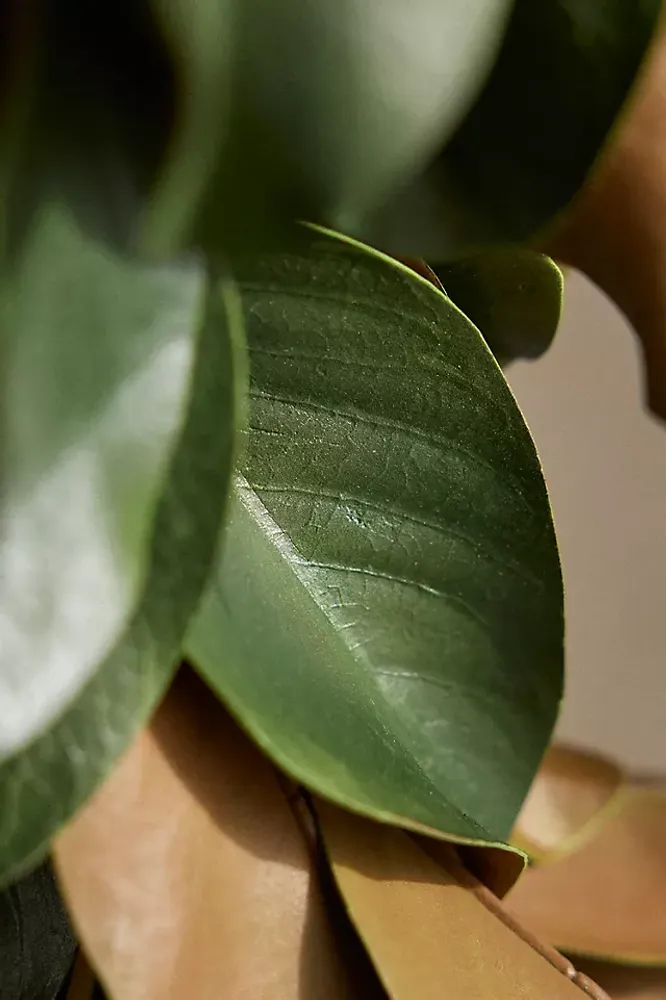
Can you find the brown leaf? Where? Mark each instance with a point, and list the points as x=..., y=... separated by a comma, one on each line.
x=608, y=898
x=429, y=933
x=615, y=230
x=419, y=266
x=187, y=874
x=567, y=800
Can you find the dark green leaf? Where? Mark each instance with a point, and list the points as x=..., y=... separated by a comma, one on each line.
x=387, y=619
x=117, y=395
x=562, y=76
x=200, y=37
x=513, y=296
x=313, y=107
x=36, y=942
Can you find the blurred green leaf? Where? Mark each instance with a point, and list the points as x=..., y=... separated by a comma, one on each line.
x=387, y=618
x=37, y=945
x=561, y=79
x=513, y=296
x=200, y=36
x=118, y=394
x=310, y=108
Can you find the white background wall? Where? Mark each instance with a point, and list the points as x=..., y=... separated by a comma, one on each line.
x=605, y=462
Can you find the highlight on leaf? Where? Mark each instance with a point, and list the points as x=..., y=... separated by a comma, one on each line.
x=121, y=385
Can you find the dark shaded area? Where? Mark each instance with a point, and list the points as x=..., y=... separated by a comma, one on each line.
x=563, y=72
x=37, y=945
x=92, y=101
x=625, y=981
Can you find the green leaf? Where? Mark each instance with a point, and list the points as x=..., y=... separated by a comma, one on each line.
x=37, y=945
x=387, y=618
x=563, y=74
x=310, y=107
x=513, y=296
x=199, y=35
x=118, y=395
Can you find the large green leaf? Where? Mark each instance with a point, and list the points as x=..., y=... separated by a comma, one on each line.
x=513, y=295
x=561, y=79
x=313, y=107
x=387, y=618
x=117, y=396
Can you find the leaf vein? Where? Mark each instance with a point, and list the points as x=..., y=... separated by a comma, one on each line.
x=481, y=548
x=358, y=417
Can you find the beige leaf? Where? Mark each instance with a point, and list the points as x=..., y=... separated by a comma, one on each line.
x=429, y=933
x=568, y=799
x=187, y=875
x=608, y=898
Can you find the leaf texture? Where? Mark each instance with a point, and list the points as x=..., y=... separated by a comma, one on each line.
x=387, y=618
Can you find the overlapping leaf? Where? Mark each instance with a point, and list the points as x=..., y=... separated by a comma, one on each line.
x=118, y=401
x=599, y=883
x=425, y=925
x=188, y=870
x=513, y=295
x=520, y=156
x=308, y=107
x=387, y=618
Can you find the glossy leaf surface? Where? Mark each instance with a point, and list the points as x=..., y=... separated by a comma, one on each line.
x=562, y=77
x=387, y=619
x=312, y=108
x=188, y=870
x=118, y=400
x=427, y=931
x=514, y=297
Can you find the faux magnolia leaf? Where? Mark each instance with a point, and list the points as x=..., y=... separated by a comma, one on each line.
x=187, y=870
x=118, y=399
x=427, y=931
x=36, y=943
x=562, y=76
x=514, y=297
x=387, y=620
x=333, y=104
x=607, y=899
x=570, y=797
